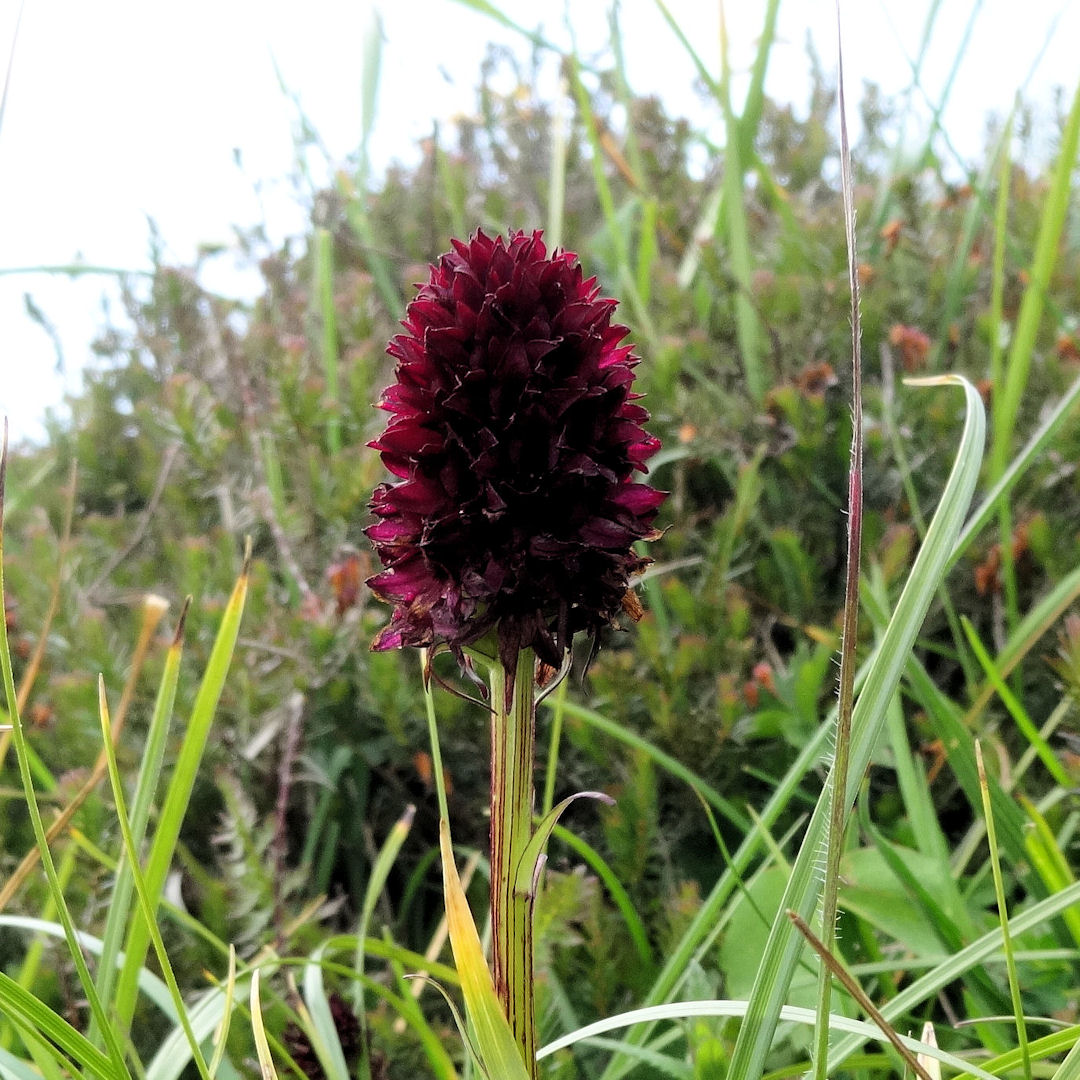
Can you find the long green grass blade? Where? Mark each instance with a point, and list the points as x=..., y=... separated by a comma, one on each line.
x=703, y=72
x=1065, y=1041
x=1003, y=917
x=838, y=809
x=370, y=69
x=154, y=989
x=221, y=1034
x=1070, y=1067
x=683, y=1009
x=205, y=1016
x=956, y=281
x=35, y=954
x=1050, y=862
x=179, y=791
x=619, y=896
x=147, y=904
x=1027, y=726
x=703, y=929
x=356, y=211
x=324, y=291
x=737, y=233
x=146, y=786
x=258, y=1031
x=326, y=1041
x=380, y=871
x=440, y=1062
x=1022, y=350
x=784, y=945
x=27, y=1012
x=755, y=94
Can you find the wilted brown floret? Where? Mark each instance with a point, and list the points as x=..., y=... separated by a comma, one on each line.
x=913, y=344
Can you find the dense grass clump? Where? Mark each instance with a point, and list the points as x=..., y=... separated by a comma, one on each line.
x=287, y=822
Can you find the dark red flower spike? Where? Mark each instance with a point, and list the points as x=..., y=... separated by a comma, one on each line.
x=515, y=437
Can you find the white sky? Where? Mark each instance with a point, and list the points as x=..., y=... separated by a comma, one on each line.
x=125, y=110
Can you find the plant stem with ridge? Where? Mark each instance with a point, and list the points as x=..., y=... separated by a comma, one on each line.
x=513, y=735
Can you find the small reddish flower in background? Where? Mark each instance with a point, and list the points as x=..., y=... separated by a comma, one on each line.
x=425, y=770
x=890, y=233
x=955, y=195
x=1067, y=348
x=761, y=678
x=515, y=437
x=815, y=379
x=913, y=344
x=345, y=575
x=41, y=715
x=987, y=573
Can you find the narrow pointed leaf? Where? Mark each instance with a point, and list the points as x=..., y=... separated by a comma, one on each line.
x=498, y=1049
x=527, y=869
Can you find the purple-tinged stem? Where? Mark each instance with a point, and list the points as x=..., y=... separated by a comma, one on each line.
x=513, y=736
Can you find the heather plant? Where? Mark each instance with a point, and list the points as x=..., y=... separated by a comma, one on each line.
x=250, y=873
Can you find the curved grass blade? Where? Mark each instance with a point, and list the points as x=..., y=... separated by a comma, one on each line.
x=619, y=896
x=205, y=1017
x=262, y=1047
x=702, y=930
x=1070, y=1067
x=324, y=294
x=155, y=990
x=221, y=1035
x=784, y=944
x=532, y=857
x=676, y=768
x=25, y=1011
x=327, y=1042
x=1019, y=465
x=495, y=1040
x=790, y=1013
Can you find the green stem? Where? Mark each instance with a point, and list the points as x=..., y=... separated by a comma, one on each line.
x=513, y=734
